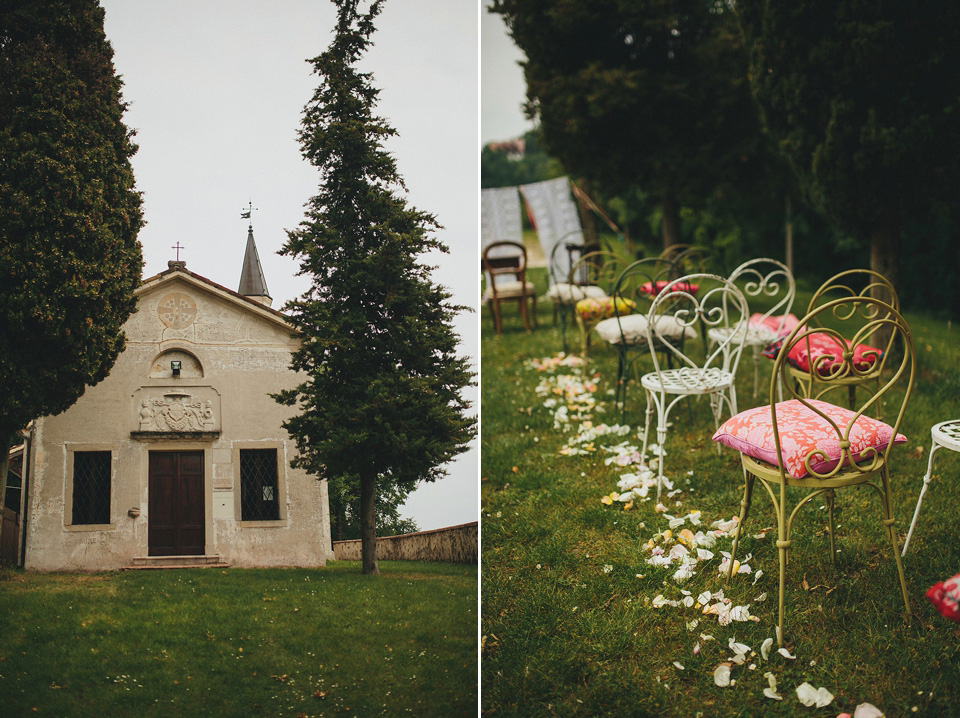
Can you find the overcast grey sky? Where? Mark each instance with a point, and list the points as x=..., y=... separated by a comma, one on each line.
x=502, y=87
x=216, y=89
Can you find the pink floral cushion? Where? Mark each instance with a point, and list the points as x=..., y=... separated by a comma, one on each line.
x=593, y=310
x=821, y=344
x=654, y=288
x=773, y=323
x=803, y=431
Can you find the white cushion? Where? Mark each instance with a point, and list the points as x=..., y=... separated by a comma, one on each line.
x=634, y=329
x=509, y=290
x=565, y=293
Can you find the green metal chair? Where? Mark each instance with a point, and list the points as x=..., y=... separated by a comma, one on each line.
x=595, y=269
x=828, y=447
x=850, y=284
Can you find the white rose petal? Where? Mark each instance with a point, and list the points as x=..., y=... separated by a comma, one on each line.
x=786, y=654
x=679, y=665
x=811, y=696
x=867, y=710
x=771, y=691
x=765, y=648
x=721, y=675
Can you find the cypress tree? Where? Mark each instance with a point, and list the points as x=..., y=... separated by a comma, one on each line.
x=380, y=403
x=69, y=213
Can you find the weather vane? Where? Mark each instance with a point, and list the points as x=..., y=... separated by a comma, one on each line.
x=245, y=214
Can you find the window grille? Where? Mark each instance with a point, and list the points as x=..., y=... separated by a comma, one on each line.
x=91, y=487
x=258, y=485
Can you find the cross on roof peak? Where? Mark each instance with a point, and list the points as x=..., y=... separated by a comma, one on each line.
x=178, y=248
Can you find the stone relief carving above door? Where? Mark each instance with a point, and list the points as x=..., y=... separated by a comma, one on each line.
x=161, y=410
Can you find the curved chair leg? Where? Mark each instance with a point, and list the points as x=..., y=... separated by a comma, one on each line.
x=888, y=521
x=646, y=422
x=715, y=408
x=495, y=311
x=923, y=490
x=661, y=439
x=830, y=496
x=748, y=480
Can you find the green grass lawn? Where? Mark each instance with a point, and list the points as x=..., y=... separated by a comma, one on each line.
x=569, y=621
x=211, y=642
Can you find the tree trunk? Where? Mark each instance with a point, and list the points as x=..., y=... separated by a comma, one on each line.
x=885, y=243
x=368, y=522
x=671, y=220
x=885, y=254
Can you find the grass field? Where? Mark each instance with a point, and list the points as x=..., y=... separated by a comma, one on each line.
x=211, y=642
x=576, y=622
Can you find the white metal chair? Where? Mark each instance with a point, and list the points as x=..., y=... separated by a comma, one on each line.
x=765, y=280
x=717, y=303
x=944, y=435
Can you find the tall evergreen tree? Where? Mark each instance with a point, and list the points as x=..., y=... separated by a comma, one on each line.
x=862, y=97
x=648, y=94
x=69, y=213
x=381, y=401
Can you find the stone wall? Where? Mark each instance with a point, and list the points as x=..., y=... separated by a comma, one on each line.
x=454, y=544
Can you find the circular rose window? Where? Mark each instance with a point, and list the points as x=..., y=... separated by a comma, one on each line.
x=177, y=310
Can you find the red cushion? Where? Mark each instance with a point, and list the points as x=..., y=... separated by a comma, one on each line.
x=821, y=344
x=648, y=287
x=826, y=345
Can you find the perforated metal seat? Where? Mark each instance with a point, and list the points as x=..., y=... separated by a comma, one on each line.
x=945, y=435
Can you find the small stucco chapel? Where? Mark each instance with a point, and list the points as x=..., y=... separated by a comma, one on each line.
x=178, y=457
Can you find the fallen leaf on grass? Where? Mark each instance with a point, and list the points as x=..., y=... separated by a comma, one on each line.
x=321, y=694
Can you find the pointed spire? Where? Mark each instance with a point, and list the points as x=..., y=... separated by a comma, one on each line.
x=252, y=283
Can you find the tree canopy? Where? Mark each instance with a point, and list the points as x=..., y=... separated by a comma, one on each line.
x=69, y=213
x=862, y=98
x=381, y=401
x=639, y=93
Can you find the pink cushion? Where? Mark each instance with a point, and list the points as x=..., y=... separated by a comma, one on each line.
x=648, y=287
x=773, y=323
x=803, y=431
x=822, y=344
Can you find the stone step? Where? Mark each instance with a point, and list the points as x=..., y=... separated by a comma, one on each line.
x=154, y=562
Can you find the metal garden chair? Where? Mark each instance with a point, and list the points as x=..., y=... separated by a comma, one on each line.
x=814, y=447
x=627, y=332
x=945, y=435
x=871, y=351
x=567, y=288
x=765, y=280
x=718, y=303
x=599, y=270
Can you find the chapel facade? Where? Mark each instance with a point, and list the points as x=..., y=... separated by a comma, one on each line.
x=178, y=456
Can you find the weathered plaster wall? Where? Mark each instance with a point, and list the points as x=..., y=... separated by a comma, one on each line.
x=232, y=356
x=454, y=544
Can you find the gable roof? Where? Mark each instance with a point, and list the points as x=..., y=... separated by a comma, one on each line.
x=178, y=270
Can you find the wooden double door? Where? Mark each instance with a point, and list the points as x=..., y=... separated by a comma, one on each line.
x=177, y=516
